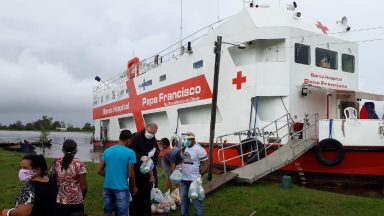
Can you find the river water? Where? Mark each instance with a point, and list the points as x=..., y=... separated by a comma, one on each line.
x=85, y=150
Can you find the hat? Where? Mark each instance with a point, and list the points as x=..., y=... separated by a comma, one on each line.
x=189, y=135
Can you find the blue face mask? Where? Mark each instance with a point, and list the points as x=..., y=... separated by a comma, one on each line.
x=187, y=143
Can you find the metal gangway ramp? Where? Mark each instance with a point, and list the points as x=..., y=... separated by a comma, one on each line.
x=278, y=147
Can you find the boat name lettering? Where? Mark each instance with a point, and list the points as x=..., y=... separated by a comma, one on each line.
x=116, y=109
x=170, y=97
x=321, y=76
x=250, y=133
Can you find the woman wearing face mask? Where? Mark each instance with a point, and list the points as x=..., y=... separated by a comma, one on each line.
x=36, y=197
x=71, y=180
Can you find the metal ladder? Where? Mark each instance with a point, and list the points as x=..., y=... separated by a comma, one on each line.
x=280, y=146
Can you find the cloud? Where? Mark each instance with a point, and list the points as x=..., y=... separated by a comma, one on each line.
x=50, y=51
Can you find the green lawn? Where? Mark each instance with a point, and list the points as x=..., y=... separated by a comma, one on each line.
x=264, y=198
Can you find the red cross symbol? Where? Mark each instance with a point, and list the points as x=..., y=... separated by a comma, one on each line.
x=322, y=27
x=136, y=109
x=239, y=80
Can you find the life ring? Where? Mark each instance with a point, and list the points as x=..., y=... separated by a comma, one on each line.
x=249, y=145
x=333, y=144
x=175, y=141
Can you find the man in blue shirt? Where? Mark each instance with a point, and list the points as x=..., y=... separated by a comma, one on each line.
x=117, y=165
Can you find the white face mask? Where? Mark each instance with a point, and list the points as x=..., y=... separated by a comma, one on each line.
x=26, y=175
x=149, y=135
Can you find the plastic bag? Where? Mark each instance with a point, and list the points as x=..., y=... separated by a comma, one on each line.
x=155, y=208
x=156, y=196
x=169, y=200
x=176, y=176
x=196, y=190
x=176, y=195
x=152, y=152
x=146, y=166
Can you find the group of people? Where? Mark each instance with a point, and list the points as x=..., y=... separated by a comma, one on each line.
x=62, y=193
x=127, y=191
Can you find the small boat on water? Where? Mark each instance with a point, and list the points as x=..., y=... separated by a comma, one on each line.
x=24, y=148
x=26, y=142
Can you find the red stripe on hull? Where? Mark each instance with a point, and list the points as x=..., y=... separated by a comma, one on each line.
x=356, y=162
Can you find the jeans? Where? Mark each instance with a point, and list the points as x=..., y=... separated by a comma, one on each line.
x=116, y=200
x=199, y=207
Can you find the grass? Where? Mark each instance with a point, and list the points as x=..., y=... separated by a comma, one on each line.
x=264, y=198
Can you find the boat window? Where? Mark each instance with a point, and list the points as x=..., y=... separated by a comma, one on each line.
x=198, y=64
x=163, y=78
x=113, y=95
x=348, y=63
x=101, y=99
x=302, y=54
x=256, y=51
x=94, y=100
x=127, y=123
x=198, y=115
x=326, y=58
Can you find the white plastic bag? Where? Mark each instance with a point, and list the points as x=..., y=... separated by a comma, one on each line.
x=156, y=196
x=152, y=153
x=176, y=195
x=155, y=208
x=196, y=190
x=146, y=166
x=169, y=199
x=176, y=176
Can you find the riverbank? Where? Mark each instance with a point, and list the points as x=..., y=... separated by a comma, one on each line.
x=264, y=198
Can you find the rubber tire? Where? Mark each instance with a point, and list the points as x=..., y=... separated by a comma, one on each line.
x=330, y=143
x=250, y=143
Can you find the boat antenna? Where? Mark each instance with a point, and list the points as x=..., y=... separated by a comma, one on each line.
x=181, y=24
x=218, y=10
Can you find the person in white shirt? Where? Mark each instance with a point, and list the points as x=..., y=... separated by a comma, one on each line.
x=195, y=164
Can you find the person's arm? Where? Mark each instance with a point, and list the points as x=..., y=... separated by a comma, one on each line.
x=101, y=170
x=83, y=184
x=204, y=166
x=173, y=166
x=20, y=210
x=132, y=178
x=151, y=176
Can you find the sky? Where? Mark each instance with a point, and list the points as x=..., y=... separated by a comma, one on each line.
x=50, y=51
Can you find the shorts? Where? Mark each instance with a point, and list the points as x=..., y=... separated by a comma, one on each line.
x=167, y=168
x=116, y=201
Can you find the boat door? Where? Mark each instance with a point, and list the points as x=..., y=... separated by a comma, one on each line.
x=343, y=103
x=104, y=131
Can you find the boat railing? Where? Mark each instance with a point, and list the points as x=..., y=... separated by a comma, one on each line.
x=168, y=54
x=177, y=49
x=283, y=133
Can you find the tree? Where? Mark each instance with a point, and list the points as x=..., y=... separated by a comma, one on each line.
x=55, y=125
x=87, y=127
x=18, y=125
x=45, y=123
x=29, y=126
x=3, y=126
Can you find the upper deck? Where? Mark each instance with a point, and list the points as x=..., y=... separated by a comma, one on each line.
x=305, y=51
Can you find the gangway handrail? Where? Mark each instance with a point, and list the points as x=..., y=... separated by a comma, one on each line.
x=267, y=145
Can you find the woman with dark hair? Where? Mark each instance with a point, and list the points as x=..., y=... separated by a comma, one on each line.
x=36, y=197
x=71, y=180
